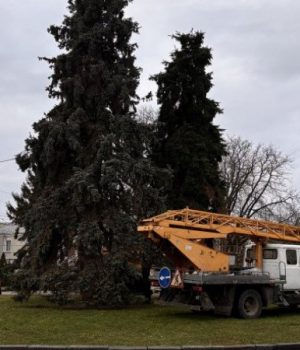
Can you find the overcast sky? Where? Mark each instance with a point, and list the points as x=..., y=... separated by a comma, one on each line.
x=256, y=67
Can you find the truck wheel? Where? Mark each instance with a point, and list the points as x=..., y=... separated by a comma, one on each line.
x=249, y=304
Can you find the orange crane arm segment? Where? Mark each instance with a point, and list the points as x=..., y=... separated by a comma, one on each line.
x=188, y=229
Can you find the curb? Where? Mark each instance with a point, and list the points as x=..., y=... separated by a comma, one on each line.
x=282, y=346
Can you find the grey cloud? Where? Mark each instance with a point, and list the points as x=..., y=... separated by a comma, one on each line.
x=256, y=65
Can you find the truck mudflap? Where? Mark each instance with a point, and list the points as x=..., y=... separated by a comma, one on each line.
x=205, y=303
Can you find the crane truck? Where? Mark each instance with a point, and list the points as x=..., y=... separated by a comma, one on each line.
x=204, y=276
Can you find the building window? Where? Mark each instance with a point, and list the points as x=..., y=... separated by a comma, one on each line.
x=8, y=245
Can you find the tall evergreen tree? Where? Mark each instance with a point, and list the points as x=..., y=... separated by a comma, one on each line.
x=88, y=176
x=188, y=141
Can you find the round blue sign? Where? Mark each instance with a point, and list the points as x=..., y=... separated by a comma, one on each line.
x=164, y=277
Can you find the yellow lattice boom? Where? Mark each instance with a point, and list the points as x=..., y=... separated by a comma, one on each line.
x=188, y=231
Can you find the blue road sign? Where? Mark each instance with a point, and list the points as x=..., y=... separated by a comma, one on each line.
x=164, y=277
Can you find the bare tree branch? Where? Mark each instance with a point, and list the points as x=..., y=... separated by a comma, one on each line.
x=258, y=182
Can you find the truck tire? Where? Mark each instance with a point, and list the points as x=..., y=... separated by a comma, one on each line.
x=249, y=304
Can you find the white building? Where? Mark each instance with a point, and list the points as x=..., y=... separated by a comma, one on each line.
x=8, y=244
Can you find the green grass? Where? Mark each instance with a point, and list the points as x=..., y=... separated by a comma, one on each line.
x=40, y=323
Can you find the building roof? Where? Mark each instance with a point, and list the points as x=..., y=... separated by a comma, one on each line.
x=7, y=229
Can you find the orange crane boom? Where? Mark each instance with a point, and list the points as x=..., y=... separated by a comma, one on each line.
x=189, y=231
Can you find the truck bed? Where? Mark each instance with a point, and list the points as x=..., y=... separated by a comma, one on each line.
x=234, y=278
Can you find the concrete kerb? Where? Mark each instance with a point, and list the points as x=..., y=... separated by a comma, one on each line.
x=241, y=347
x=13, y=347
x=288, y=346
x=165, y=347
x=89, y=347
x=46, y=347
x=128, y=348
x=283, y=346
x=201, y=347
x=204, y=347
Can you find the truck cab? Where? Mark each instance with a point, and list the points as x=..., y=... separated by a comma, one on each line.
x=280, y=261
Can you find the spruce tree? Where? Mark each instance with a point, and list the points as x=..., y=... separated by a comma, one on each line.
x=89, y=179
x=188, y=141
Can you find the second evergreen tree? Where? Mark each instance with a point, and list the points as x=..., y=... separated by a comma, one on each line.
x=189, y=143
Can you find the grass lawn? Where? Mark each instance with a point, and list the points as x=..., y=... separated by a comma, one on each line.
x=37, y=322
